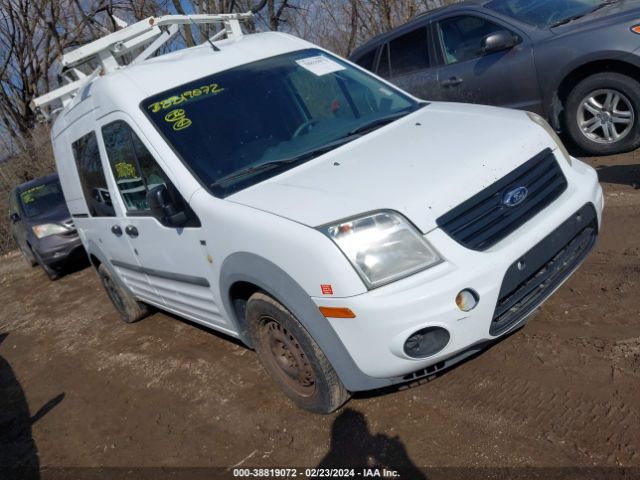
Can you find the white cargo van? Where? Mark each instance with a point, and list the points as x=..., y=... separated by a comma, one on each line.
x=353, y=235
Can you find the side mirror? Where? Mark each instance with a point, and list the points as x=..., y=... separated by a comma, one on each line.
x=14, y=217
x=164, y=209
x=498, y=41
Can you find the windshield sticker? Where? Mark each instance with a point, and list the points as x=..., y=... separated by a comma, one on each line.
x=125, y=170
x=178, y=118
x=185, y=97
x=385, y=91
x=320, y=65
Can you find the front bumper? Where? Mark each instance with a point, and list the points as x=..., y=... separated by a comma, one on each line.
x=58, y=249
x=387, y=316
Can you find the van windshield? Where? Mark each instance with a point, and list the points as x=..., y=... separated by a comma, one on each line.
x=240, y=126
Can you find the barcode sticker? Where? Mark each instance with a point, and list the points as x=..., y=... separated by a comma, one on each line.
x=320, y=65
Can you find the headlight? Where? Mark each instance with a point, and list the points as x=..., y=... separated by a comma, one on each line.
x=47, y=229
x=382, y=247
x=543, y=123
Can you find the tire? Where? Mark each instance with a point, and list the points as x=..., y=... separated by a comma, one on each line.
x=51, y=272
x=129, y=308
x=292, y=358
x=602, y=114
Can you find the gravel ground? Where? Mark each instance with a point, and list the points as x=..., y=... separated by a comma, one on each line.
x=79, y=388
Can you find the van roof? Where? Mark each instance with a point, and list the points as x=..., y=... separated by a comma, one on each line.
x=130, y=85
x=173, y=69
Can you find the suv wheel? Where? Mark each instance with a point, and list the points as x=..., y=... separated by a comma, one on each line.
x=129, y=308
x=603, y=114
x=292, y=358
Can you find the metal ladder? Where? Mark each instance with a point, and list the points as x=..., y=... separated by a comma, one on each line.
x=153, y=31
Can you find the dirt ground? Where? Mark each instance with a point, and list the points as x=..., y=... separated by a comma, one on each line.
x=79, y=388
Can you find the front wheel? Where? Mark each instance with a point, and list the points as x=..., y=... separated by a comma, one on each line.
x=602, y=114
x=28, y=255
x=292, y=358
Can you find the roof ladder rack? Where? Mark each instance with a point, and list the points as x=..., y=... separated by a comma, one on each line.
x=153, y=31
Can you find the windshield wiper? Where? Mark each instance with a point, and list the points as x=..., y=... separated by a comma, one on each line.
x=378, y=122
x=576, y=17
x=263, y=167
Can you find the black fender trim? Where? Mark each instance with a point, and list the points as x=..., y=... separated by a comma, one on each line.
x=251, y=268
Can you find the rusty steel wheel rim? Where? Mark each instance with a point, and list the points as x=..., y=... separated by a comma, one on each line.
x=287, y=357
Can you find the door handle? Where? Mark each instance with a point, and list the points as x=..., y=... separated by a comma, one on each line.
x=452, y=82
x=131, y=231
x=116, y=230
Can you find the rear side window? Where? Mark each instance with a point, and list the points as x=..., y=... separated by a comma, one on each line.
x=410, y=52
x=134, y=169
x=94, y=184
x=366, y=61
x=384, y=69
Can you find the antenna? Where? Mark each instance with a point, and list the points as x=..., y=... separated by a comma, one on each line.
x=215, y=49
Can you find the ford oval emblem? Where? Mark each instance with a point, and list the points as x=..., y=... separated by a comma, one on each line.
x=515, y=196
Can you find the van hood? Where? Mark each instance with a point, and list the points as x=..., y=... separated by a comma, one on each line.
x=422, y=166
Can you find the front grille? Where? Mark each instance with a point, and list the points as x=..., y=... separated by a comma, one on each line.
x=484, y=219
x=542, y=269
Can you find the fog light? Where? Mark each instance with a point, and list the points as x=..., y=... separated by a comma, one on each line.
x=426, y=342
x=467, y=300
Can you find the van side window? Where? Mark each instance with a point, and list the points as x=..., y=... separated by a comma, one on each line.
x=92, y=179
x=133, y=167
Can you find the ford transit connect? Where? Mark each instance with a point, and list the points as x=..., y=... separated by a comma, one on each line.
x=353, y=235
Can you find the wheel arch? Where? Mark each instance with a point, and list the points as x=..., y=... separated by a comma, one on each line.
x=579, y=73
x=244, y=273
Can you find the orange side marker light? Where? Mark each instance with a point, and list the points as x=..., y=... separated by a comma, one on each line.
x=337, y=312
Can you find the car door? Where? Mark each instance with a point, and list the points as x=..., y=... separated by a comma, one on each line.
x=504, y=78
x=103, y=224
x=175, y=260
x=407, y=61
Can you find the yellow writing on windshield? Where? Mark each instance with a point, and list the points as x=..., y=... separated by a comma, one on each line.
x=125, y=170
x=29, y=196
x=187, y=96
x=178, y=118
